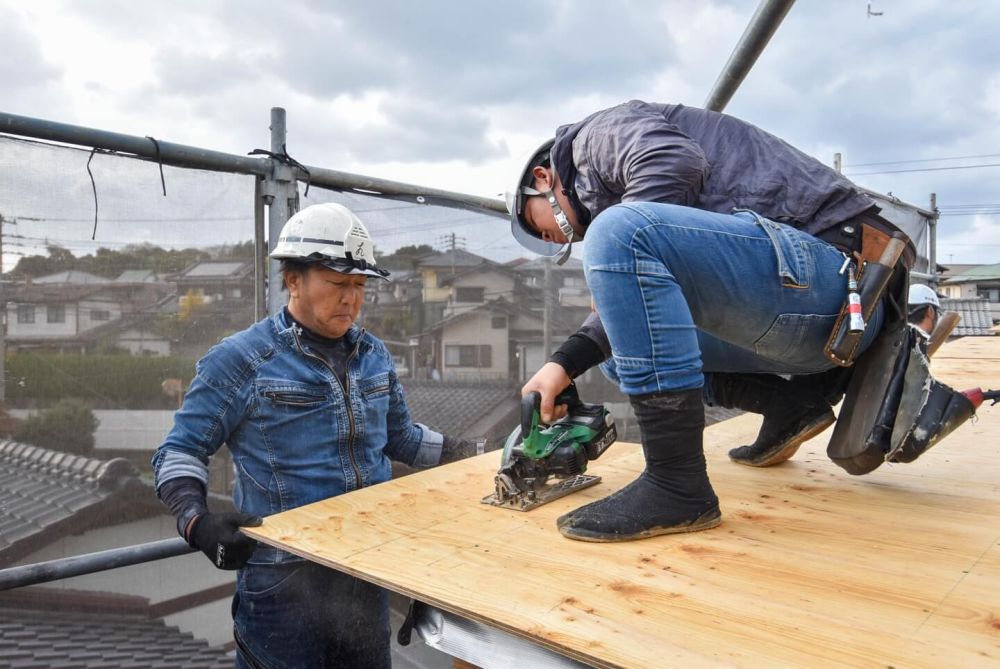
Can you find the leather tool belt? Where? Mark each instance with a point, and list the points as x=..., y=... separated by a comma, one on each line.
x=874, y=278
x=865, y=237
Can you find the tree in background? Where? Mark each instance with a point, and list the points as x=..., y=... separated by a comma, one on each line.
x=110, y=263
x=405, y=257
x=68, y=426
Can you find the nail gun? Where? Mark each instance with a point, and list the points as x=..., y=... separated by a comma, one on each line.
x=534, y=452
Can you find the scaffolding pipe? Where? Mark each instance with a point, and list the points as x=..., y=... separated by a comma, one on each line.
x=54, y=570
x=180, y=155
x=764, y=22
x=281, y=193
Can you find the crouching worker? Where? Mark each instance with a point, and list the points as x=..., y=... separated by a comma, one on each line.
x=718, y=257
x=309, y=406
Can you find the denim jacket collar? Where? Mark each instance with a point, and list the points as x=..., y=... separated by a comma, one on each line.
x=285, y=331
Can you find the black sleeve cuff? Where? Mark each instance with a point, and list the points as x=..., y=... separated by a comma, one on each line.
x=186, y=499
x=578, y=354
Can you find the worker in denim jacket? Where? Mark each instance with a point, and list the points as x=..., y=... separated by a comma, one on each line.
x=716, y=255
x=310, y=407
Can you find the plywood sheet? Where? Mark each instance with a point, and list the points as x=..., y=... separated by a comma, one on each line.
x=810, y=567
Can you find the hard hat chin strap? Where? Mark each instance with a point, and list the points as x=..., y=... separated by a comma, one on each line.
x=561, y=220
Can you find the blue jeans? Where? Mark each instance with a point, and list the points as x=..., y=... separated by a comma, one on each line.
x=681, y=291
x=305, y=615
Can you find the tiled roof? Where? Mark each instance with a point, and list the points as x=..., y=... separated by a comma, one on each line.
x=136, y=276
x=454, y=408
x=977, y=273
x=574, y=265
x=454, y=258
x=42, y=639
x=44, y=493
x=213, y=269
x=975, y=313
x=74, y=276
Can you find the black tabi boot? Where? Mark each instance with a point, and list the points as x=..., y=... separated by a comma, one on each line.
x=673, y=494
x=794, y=412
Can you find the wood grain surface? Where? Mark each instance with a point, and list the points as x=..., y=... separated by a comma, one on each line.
x=811, y=567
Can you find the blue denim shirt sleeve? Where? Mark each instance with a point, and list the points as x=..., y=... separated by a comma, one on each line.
x=410, y=443
x=213, y=407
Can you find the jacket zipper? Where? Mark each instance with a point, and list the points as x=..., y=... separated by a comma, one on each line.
x=345, y=389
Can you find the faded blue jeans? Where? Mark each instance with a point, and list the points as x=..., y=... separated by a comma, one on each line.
x=682, y=291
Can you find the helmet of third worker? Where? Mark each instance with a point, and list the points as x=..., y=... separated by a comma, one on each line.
x=921, y=295
x=526, y=235
x=331, y=235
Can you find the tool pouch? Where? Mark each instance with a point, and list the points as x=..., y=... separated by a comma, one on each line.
x=842, y=346
x=894, y=410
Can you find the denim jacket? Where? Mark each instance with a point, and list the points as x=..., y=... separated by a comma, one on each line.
x=296, y=433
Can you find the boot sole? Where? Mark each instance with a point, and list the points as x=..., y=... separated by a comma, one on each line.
x=706, y=521
x=789, y=449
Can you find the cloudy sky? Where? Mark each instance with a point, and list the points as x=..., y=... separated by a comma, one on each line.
x=453, y=94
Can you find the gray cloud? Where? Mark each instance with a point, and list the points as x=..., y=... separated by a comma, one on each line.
x=23, y=65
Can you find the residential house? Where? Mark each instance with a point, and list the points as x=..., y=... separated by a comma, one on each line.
x=455, y=281
x=215, y=298
x=215, y=282
x=77, y=311
x=566, y=282
x=497, y=340
x=974, y=281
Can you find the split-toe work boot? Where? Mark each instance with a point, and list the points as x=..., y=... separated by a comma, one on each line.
x=793, y=414
x=673, y=494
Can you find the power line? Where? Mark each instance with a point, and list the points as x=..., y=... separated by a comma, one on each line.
x=924, y=160
x=925, y=169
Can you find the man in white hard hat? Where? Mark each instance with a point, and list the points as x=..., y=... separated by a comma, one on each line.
x=924, y=308
x=310, y=407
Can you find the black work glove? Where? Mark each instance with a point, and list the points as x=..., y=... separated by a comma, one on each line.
x=455, y=448
x=217, y=535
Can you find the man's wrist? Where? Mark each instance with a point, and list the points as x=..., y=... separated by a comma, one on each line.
x=577, y=354
x=186, y=522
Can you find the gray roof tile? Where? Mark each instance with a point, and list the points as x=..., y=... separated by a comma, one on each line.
x=31, y=638
x=454, y=408
x=42, y=491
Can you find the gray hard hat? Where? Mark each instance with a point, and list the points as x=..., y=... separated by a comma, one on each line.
x=526, y=235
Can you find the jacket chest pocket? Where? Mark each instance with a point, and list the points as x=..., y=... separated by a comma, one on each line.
x=294, y=398
x=375, y=393
x=375, y=387
x=305, y=408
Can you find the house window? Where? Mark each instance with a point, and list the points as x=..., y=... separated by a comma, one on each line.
x=991, y=294
x=55, y=313
x=498, y=322
x=475, y=294
x=25, y=313
x=100, y=315
x=468, y=355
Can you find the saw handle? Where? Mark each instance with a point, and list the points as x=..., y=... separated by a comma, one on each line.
x=531, y=406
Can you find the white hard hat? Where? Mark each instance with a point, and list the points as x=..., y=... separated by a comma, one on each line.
x=524, y=233
x=331, y=235
x=921, y=295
